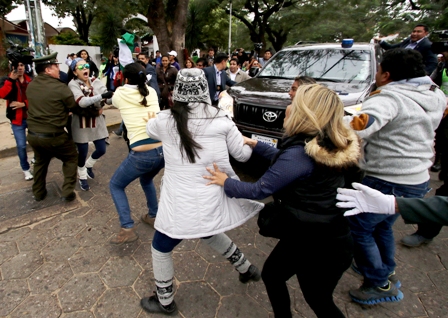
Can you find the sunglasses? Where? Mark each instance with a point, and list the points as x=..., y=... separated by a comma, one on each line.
x=84, y=66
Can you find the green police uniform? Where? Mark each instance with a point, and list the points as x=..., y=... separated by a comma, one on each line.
x=50, y=101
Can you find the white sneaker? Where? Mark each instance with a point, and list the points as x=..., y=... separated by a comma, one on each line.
x=28, y=175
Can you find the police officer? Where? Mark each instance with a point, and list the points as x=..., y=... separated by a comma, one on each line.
x=49, y=104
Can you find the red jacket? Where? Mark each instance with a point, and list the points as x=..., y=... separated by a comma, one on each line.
x=12, y=91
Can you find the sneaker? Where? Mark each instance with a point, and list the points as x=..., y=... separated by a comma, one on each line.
x=392, y=276
x=117, y=133
x=374, y=295
x=148, y=220
x=28, y=175
x=153, y=305
x=124, y=236
x=90, y=173
x=253, y=273
x=84, y=185
x=414, y=240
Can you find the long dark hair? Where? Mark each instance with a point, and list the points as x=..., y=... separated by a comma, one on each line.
x=188, y=145
x=135, y=73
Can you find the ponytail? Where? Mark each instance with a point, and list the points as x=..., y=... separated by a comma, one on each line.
x=142, y=87
x=135, y=73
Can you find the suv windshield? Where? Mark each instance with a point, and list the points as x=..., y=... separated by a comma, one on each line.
x=330, y=65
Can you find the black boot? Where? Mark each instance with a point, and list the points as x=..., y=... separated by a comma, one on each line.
x=153, y=305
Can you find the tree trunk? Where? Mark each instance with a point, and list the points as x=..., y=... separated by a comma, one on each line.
x=170, y=33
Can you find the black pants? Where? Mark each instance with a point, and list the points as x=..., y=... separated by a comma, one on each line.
x=431, y=230
x=45, y=148
x=318, y=265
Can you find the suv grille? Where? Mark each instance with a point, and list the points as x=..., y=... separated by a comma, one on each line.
x=264, y=117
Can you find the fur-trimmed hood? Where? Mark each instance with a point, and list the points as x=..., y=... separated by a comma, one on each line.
x=334, y=158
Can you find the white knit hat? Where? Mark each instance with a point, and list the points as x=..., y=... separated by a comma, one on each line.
x=191, y=86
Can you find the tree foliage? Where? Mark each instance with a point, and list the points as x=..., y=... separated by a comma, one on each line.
x=83, y=12
x=6, y=6
x=259, y=16
x=68, y=38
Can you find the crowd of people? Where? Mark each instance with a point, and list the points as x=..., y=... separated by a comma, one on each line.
x=172, y=120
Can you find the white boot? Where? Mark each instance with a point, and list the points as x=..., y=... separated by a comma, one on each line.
x=28, y=175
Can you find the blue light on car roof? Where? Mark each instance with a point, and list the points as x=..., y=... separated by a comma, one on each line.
x=347, y=43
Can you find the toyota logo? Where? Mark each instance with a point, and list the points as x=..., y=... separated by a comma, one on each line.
x=269, y=116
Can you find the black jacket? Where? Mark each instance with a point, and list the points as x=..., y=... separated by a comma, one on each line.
x=313, y=201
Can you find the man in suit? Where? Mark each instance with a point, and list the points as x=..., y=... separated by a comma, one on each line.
x=217, y=77
x=235, y=73
x=419, y=42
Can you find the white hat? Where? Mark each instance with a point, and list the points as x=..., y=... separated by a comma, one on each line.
x=173, y=53
x=439, y=55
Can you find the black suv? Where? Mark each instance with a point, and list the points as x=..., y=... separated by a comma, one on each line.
x=260, y=102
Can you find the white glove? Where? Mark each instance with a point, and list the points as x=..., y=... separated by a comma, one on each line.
x=365, y=199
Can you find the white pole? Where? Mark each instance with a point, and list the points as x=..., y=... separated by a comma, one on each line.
x=230, y=26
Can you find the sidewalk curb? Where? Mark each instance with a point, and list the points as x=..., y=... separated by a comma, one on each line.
x=8, y=152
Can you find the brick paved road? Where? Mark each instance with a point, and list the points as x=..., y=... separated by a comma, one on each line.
x=58, y=262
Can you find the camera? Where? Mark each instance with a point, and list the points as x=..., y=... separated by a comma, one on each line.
x=17, y=54
x=443, y=34
x=441, y=46
x=258, y=46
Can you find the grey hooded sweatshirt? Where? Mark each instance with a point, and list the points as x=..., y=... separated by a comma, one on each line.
x=398, y=142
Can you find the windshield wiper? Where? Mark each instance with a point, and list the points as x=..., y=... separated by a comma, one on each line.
x=326, y=80
x=342, y=58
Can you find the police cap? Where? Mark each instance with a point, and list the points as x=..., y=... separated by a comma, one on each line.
x=47, y=59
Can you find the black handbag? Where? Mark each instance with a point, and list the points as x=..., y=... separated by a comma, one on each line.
x=88, y=112
x=272, y=221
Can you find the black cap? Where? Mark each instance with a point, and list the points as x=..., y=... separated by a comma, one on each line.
x=47, y=59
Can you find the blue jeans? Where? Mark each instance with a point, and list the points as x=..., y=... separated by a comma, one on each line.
x=144, y=165
x=373, y=234
x=20, y=136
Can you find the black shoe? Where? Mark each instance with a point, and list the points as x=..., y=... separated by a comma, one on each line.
x=37, y=199
x=69, y=198
x=153, y=305
x=436, y=167
x=90, y=173
x=253, y=273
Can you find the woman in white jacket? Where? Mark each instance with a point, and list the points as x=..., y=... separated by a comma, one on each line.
x=134, y=100
x=194, y=136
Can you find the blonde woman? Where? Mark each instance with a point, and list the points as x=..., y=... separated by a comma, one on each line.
x=318, y=155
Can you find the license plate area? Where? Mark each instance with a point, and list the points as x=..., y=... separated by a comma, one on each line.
x=273, y=142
